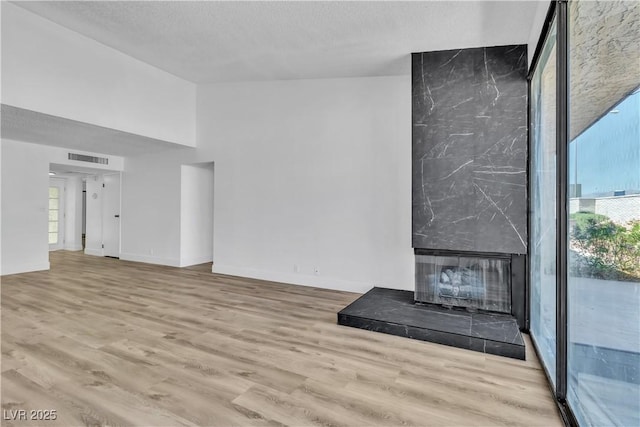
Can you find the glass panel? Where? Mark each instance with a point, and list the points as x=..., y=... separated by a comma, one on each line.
x=604, y=205
x=461, y=281
x=543, y=204
x=53, y=238
x=53, y=215
x=53, y=226
x=53, y=192
x=53, y=204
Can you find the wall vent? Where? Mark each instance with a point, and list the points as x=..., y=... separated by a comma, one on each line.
x=90, y=159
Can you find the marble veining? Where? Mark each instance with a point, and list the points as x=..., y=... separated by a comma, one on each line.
x=470, y=149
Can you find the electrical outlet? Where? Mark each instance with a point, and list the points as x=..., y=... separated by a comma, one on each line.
x=150, y=251
x=296, y=268
x=316, y=271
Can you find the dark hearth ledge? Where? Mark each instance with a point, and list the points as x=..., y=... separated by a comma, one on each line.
x=394, y=312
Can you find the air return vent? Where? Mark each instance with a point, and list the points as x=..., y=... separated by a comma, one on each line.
x=90, y=159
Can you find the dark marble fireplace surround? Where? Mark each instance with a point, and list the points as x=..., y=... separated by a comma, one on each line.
x=469, y=154
x=470, y=150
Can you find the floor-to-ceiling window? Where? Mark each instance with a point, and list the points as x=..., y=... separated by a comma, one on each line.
x=543, y=203
x=585, y=283
x=603, y=365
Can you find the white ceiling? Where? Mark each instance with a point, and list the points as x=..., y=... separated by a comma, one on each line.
x=38, y=128
x=211, y=41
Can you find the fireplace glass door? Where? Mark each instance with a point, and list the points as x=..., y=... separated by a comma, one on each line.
x=482, y=283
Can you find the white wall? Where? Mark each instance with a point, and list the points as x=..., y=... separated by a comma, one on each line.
x=309, y=173
x=313, y=173
x=53, y=70
x=620, y=209
x=25, y=183
x=25, y=198
x=196, y=214
x=150, y=221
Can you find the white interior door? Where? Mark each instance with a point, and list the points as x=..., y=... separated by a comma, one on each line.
x=56, y=214
x=93, y=236
x=111, y=215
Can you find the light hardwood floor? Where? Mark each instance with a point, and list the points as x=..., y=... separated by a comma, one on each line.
x=109, y=342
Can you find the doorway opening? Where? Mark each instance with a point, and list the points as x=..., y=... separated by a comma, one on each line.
x=196, y=214
x=84, y=210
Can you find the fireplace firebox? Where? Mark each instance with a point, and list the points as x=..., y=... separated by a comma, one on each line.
x=472, y=281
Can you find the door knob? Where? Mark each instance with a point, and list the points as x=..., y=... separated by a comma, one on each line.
x=117, y=216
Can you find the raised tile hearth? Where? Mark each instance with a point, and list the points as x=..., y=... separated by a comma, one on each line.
x=395, y=312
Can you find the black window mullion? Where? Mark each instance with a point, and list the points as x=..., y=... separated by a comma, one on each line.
x=562, y=118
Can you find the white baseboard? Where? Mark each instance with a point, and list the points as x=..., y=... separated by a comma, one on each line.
x=94, y=252
x=71, y=247
x=195, y=260
x=294, y=278
x=23, y=268
x=150, y=259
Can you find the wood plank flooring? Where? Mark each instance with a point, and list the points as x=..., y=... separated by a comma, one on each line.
x=109, y=342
